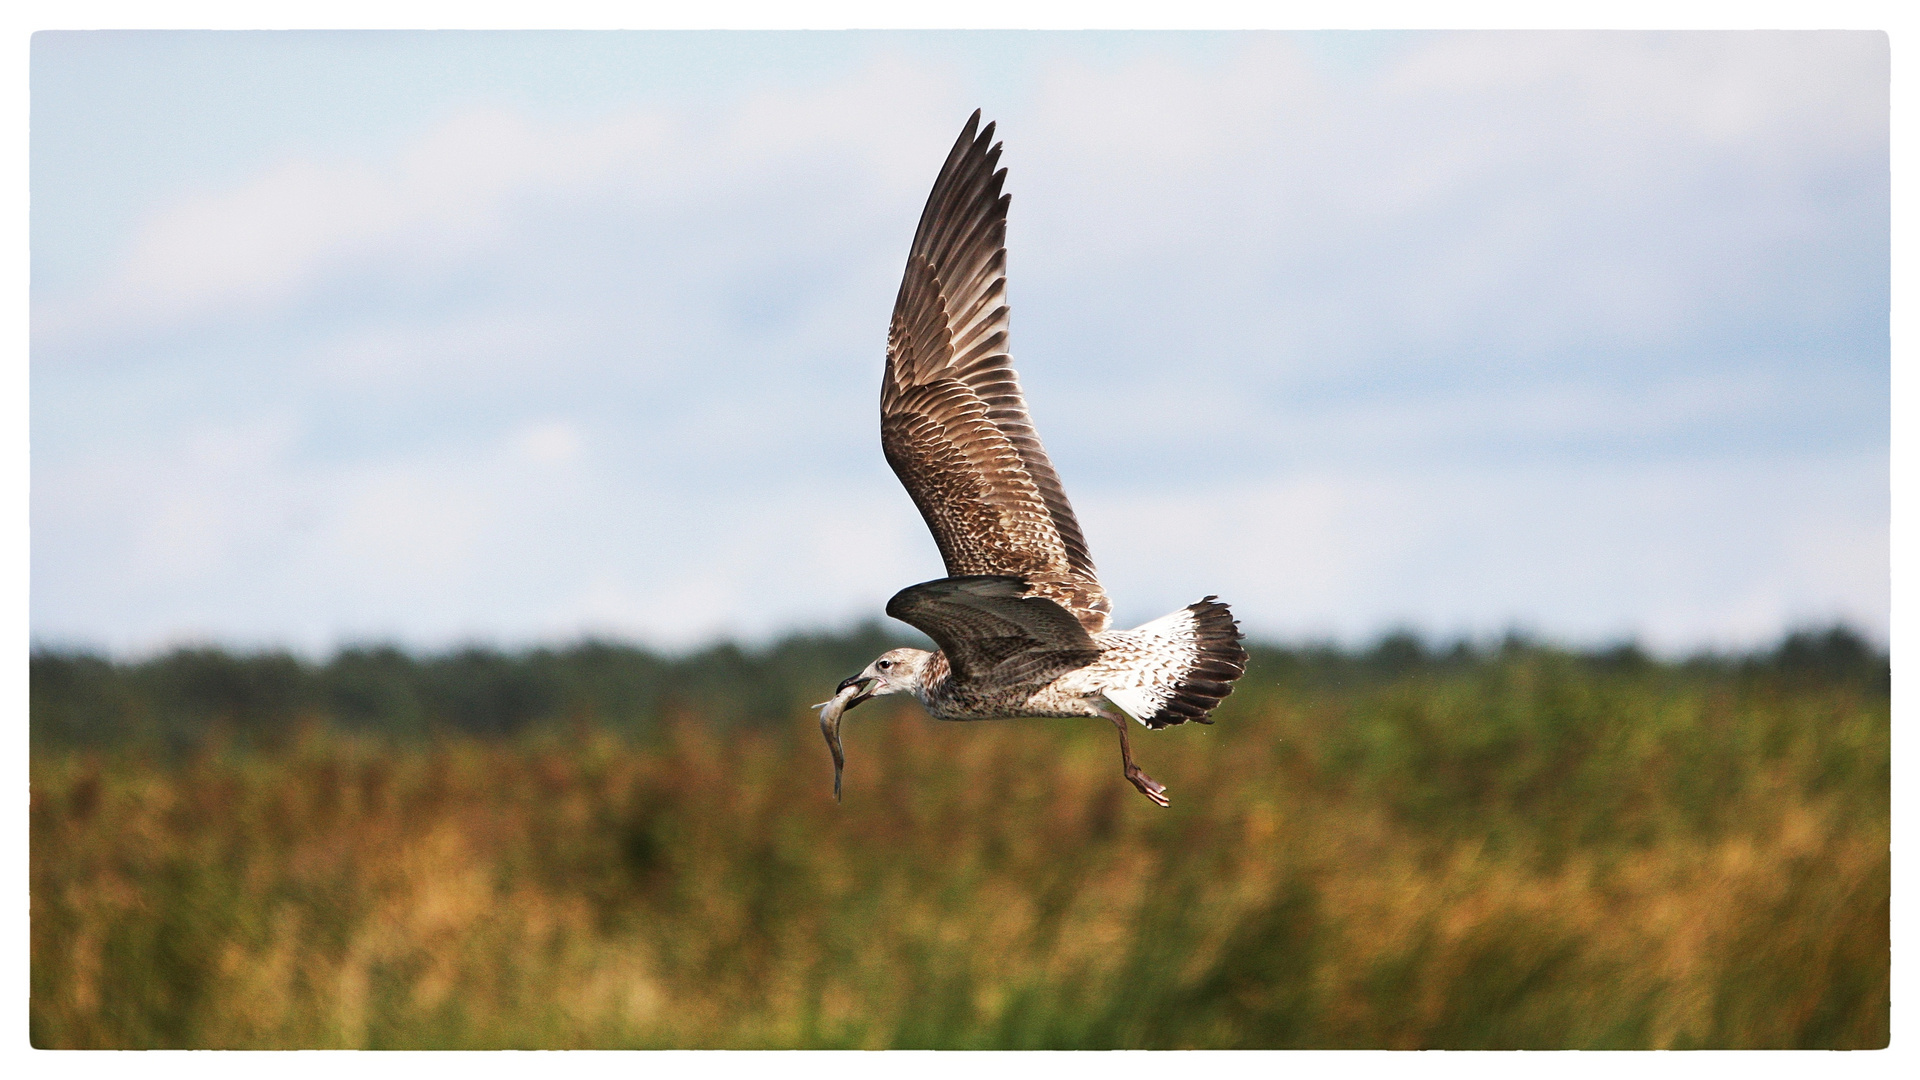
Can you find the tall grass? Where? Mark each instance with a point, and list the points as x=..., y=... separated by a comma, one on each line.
x=1528, y=850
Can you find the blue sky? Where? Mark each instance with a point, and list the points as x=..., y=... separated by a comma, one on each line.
x=514, y=337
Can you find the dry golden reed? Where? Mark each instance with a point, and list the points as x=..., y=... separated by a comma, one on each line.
x=1540, y=855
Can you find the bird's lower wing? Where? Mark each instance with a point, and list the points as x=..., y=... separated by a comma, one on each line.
x=983, y=621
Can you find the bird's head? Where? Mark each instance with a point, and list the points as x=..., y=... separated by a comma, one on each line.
x=895, y=672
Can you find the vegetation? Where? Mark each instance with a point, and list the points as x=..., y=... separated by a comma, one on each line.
x=1510, y=846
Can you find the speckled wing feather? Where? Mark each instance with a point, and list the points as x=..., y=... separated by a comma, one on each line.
x=953, y=423
x=993, y=626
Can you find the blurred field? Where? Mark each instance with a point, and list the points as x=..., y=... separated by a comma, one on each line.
x=1519, y=847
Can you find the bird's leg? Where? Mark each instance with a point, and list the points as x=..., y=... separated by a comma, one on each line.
x=1148, y=786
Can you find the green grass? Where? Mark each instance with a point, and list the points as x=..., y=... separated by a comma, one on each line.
x=1522, y=848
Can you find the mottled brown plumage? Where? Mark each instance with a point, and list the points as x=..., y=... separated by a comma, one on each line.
x=953, y=423
x=1021, y=620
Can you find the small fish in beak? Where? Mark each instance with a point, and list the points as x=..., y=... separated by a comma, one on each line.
x=851, y=693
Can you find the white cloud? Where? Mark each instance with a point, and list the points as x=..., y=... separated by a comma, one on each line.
x=552, y=442
x=470, y=190
x=1675, y=555
x=1574, y=330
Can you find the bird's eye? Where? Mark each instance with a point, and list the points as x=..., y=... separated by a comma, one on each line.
x=885, y=664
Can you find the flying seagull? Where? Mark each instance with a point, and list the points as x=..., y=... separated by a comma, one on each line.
x=1021, y=619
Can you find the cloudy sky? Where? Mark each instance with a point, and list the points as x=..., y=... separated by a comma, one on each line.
x=515, y=337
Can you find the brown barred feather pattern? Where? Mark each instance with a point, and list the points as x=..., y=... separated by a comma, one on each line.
x=953, y=422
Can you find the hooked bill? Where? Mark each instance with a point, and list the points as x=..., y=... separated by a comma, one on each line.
x=830, y=713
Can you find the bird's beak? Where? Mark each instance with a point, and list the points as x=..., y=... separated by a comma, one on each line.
x=866, y=691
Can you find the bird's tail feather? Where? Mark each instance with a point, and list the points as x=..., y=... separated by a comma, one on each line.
x=1195, y=656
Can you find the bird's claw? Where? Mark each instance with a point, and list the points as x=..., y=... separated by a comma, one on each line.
x=1148, y=786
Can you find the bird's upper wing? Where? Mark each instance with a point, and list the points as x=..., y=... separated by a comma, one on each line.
x=993, y=623
x=952, y=420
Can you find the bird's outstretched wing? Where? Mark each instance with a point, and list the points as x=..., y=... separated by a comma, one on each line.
x=993, y=624
x=952, y=420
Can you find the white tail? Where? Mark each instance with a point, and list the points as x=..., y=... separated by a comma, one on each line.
x=1190, y=659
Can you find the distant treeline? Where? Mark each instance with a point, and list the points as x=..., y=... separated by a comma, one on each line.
x=183, y=698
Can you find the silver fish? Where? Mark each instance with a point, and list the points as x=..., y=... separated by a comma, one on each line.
x=830, y=714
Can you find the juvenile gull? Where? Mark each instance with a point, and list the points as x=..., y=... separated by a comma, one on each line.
x=1021, y=619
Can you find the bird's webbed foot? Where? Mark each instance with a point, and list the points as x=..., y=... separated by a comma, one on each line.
x=1151, y=788
x=1147, y=785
